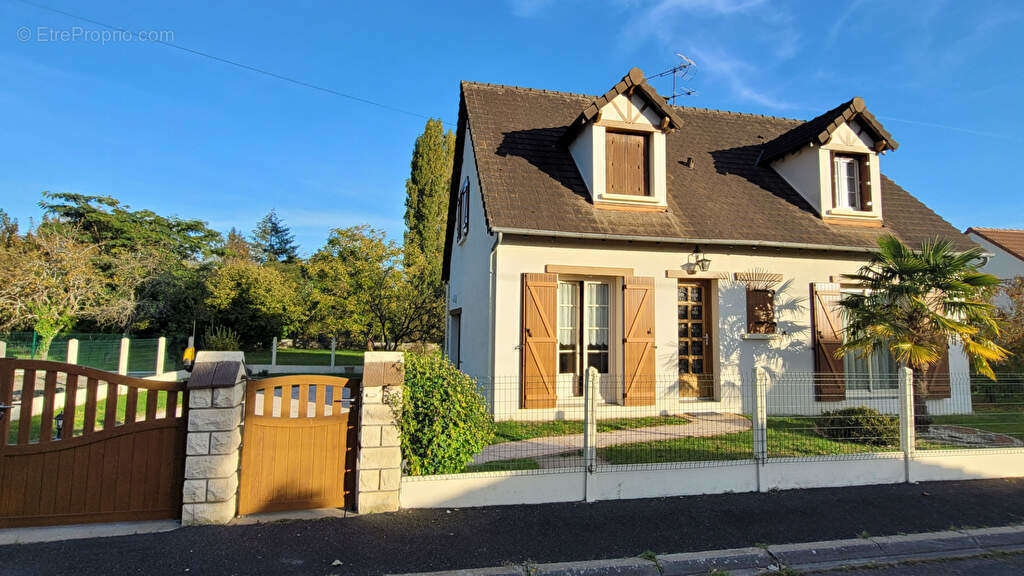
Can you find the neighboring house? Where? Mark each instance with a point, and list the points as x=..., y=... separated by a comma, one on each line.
x=1006, y=247
x=624, y=233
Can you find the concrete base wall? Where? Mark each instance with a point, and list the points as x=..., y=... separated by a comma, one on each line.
x=785, y=474
x=491, y=489
x=658, y=483
x=972, y=465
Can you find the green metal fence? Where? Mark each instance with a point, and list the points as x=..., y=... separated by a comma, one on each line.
x=100, y=351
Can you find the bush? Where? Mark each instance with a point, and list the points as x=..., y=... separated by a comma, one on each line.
x=861, y=424
x=220, y=338
x=443, y=420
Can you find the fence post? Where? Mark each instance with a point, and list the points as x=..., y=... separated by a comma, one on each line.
x=72, y=351
x=908, y=434
x=760, y=420
x=333, y=344
x=122, y=360
x=216, y=391
x=161, y=351
x=273, y=351
x=590, y=389
x=3, y=349
x=379, y=465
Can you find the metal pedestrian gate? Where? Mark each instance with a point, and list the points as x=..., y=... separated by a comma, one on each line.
x=88, y=445
x=298, y=444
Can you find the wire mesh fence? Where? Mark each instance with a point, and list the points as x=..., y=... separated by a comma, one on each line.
x=100, y=351
x=830, y=416
x=970, y=413
x=286, y=352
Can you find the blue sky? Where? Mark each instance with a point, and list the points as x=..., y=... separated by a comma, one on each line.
x=162, y=129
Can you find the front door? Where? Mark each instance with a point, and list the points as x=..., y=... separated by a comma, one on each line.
x=695, y=350
x=582, y=329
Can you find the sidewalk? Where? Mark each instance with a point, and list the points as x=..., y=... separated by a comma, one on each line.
x=434, y=540
x=828, y=556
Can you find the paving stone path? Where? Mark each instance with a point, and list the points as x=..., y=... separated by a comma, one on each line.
x=701, y=425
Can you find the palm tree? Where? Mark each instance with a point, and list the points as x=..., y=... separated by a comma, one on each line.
x=915, y=302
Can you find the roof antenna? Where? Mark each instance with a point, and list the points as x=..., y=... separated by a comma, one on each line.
x=684, y=70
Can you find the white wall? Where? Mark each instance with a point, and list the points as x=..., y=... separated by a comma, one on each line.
x=1002, y=264
x=469, y=285
x=791, y=352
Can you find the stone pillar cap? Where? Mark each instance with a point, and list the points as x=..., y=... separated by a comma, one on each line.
x=217, y=370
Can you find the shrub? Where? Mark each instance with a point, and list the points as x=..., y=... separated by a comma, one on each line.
x=220, y=338
x=443, y=420
x=861, y=424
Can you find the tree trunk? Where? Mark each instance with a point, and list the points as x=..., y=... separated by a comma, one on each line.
x=922, y=420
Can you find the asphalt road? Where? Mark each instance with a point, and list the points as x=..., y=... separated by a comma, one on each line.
x=425, y=540
x=989, y=566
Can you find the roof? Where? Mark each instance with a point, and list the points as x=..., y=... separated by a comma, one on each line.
x=818, y=130
x=529, y=181
x=1008, y=239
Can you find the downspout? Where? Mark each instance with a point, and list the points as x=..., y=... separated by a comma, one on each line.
x=492, y=312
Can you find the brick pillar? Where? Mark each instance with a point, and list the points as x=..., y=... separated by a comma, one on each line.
x=216, y=391
x=379, y=468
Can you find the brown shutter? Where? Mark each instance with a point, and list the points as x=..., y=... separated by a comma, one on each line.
x=760, y=311
x=638, y=342
x=829, y=380
x=626, y=164
x=937, y=378
x=539, y=340
x=465, y=215
x=865, y=183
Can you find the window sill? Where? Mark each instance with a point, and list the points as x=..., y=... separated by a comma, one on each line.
x=749, y=336
x=631, y=198
x=845, y=213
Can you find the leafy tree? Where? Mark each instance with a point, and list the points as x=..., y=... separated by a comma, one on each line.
x=426, y=206
x=237, y=247
x=273, y=240
x=1011, y=321
x=257, y=302
x=50, y=279
x=103, y=219
x=8, y=229
x=915, y=303
x=360, y=289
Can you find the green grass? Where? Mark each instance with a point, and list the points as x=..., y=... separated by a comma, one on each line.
x=297, y=357
x=101, y=409
x=1009, y=423
x=504, y=465
x=510, y=431
x=787, y=437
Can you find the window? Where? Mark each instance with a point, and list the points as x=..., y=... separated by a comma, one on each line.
x=871, y=373
x=847, y=183
x=597, y=326
x=582, y=329
x=760, y=311
x=462, y=212
x=455, y=338
x=568, y=316
x=626, y=164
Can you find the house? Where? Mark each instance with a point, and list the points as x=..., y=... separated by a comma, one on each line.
x=672, y=248
x=1006, y=247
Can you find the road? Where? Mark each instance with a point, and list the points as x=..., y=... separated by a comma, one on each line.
x=1001, y=565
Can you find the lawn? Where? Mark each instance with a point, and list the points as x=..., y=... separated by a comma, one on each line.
x=297, y=357
x=101, y=409
x=1009, y=423
x=504, y=465
x=510, y=431
x=787, y=437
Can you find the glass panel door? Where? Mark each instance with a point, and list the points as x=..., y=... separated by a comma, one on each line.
x=695, y=379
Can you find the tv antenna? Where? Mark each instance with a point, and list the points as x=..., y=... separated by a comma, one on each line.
x=684, y=70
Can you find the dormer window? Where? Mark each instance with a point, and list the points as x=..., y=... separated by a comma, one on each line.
x=627, y=161
x=851, y=182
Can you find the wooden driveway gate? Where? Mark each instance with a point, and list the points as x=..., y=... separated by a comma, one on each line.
x=298, y=444
x=111, y=451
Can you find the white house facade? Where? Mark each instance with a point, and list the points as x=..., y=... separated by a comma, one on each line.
x=673, y=249
x=1006, y=253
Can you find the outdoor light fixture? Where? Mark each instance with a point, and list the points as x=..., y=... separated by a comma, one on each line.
x=700, y=259
x=58, y=422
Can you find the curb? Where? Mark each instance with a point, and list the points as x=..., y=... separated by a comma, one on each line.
x=824, y=555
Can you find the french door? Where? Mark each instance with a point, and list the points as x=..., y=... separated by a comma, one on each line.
x=695, y=349
x=582, y=329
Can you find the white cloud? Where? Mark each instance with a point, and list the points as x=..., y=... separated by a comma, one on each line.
x=528, y=8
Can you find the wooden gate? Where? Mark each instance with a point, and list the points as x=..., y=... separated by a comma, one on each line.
x=298, y=444
x=113, y=450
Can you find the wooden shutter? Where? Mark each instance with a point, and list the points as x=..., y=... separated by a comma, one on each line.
x=539, y=340
x=465, y=210
x=835, y=182
x=638, y=342
x=937, y=378
x=626, y=164
x=865, y=183
x=829, y=380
